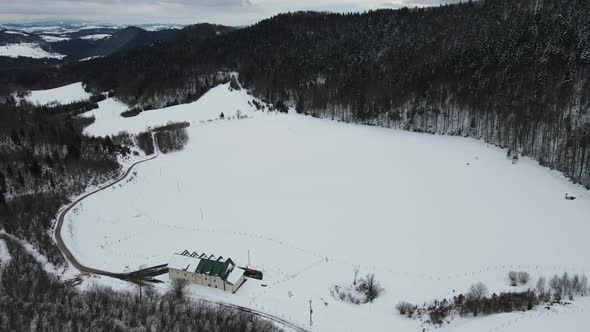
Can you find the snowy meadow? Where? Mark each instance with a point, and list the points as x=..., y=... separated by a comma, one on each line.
x=308, y=200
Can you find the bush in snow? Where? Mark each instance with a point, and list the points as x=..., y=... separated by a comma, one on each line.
x=178, y=288
x=405, y=308
x=171, y=140
x=517, y=278
x=540, y=288
x=366, y=290
x=513, y=277
x=131, y=112
x=523, y=277
x=145, y=142
x=370, y=287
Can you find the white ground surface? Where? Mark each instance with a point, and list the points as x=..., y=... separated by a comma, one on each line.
x=90, y=58
x=28, y=50
x=63, y=95
x=15, y=33
x=220, y=99
x=95, y=37
x=5, y=257
x=52, y=39
x=310, y=199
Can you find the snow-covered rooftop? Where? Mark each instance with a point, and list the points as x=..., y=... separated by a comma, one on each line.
x=184, y=263
x=235, y=274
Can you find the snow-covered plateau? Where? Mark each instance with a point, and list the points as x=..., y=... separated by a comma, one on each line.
x=61, y=95
x=307, y=200
x=27, y=50
x=96, y=36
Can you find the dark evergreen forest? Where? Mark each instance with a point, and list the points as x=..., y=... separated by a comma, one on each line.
x=45, y=161
x=510, y=72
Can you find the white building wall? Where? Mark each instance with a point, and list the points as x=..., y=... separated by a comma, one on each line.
x=204, y=280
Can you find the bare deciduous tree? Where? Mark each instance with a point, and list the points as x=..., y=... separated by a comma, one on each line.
x=523, y=277
x=404, y=308
x=541, y=285
x=513, y=277
x=179, y=288
x=370, y=287
x=477, y=291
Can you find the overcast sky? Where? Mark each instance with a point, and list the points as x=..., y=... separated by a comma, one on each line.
x=227, y=12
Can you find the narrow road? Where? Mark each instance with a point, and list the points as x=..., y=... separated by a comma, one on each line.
x=86, y=269
x=60, y=220
x=261, y=314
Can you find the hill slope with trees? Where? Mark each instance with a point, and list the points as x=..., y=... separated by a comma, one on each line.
x=512, y=73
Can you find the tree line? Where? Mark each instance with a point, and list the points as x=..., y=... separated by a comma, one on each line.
x=45, y=160
x=31, y=299
x=510, y=72
x=477, y=300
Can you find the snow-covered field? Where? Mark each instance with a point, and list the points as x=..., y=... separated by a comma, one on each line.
x=96, y=36
x=52, y=39
x=220, y=99
x=91, y=57
x=4, y=254
x=311, y=199
x=15, y=33
x=28, y=50
x=62, y=95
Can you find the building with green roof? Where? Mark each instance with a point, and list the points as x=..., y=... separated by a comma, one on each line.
x=221, y=273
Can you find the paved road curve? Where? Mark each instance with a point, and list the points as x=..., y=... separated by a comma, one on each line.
x=261, y=314
x=60, y=220
x=86, y=269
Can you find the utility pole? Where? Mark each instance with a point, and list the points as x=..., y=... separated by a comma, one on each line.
x=140, y=293
x=202, y=215
x=310, y=313
x=248, y=257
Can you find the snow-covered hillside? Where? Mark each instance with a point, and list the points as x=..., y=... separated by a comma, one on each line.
x=310, y=199
x=210, y=106
x=96, y=37
x=52, y=39
x=28, y=50
x=62, y=95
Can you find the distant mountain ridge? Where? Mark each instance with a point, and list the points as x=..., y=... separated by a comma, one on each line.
x=78, y=41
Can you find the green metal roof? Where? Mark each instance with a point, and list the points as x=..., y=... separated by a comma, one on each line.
x=214, y=268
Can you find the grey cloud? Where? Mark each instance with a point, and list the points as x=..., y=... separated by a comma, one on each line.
x=228, y=12
x=130, y=11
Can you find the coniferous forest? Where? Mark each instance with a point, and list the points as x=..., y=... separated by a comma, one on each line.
x=512, y=73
